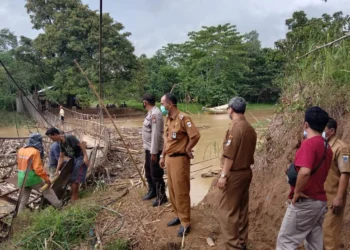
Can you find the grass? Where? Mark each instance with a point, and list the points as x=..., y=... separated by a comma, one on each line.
x=63, y=228
x=10, y=118
x=118, y=244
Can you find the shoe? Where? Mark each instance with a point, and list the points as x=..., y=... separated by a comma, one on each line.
x=151, y=194
x=157, y=202
x=183, y=230
x=174, y=222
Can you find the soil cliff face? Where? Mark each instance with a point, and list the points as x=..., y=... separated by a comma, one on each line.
x=269, y=188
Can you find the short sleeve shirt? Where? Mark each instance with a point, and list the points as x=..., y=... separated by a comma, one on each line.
x=309, y=156
x=70, y=147
x=179, y=130
x=239, y=144
x=340, y=164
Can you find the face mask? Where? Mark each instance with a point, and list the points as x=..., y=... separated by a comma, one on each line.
x=164, y=111
x=305, y=134
x=144, y=106
x=324, y=135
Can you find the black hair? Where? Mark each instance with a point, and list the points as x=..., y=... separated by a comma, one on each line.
x=149, y=98
x=317, y=118
x=332, y=123
x=171, y=98
x=52, y=131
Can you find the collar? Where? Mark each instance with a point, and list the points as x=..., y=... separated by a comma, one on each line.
x=240, y=118
x=173, y=117
x=332, y=141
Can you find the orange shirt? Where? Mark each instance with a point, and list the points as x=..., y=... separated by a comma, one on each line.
x=37, y=173
x=179, y=130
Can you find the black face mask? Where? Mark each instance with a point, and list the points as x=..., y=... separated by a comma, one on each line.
x=144, y=105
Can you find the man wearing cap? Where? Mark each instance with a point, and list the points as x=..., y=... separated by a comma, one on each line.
x=236, y=175
x=31, y=156
x=152, y=136
x=179, y=139
x=336, y=186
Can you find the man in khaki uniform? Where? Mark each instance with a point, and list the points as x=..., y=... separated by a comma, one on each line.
x=236, y=175
x=180, y=137
x=336, y=186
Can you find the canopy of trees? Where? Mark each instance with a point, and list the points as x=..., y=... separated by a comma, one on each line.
x=214, y=64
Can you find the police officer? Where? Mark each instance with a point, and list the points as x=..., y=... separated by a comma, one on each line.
x=336, y=187
x=152, y=135
x=180, y=137
x=236, y=175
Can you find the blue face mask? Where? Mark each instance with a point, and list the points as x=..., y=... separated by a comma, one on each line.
x=164, y=111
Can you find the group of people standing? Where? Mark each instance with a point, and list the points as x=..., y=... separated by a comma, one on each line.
x=173, y=150
x=317, y=197
x=319, y=175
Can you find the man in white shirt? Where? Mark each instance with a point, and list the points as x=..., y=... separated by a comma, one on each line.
x=62, y=114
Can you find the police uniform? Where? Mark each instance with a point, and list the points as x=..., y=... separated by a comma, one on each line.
x=340, y=164
x=238, y=146
x=179, y=130
x=152, y=135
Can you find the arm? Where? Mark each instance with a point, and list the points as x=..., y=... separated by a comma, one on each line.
x=39, y=168
x=338, y=202
x=60, y=162
x=156, y=135
x=193, y=142
x=162, y=157
x=303, y=178
x=82, y=145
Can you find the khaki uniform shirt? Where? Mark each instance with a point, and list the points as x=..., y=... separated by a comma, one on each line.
x=239, y=144
x=152, y=131
x=340, y=164
x=179, y=130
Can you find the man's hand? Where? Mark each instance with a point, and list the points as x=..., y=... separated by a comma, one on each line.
x=162, y=162
x=86, y=160
x=297, y=196
x=189, y=154
x=153, y=157
x=337, y=206
x=221, y=182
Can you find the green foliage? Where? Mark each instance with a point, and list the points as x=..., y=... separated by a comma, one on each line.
x=215, y=64
x=12, y=118
x=66, y=227
x=322, y=77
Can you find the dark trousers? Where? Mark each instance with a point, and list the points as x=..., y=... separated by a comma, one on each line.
x=154, y=173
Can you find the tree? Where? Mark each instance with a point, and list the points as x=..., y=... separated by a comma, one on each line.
x=71, y=31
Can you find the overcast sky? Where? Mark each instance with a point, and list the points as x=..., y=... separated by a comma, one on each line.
x=154, y=23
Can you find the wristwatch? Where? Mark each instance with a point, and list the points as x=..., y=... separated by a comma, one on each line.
x=223, y=175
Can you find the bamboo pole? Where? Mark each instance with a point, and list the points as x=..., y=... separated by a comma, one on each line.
x=325, y=45
x=92, y=87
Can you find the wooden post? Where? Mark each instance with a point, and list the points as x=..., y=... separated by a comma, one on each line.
x=92, y=87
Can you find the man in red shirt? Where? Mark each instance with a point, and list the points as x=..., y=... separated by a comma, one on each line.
x=304, y=216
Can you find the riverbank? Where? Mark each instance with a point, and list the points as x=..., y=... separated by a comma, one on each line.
x=12, y=118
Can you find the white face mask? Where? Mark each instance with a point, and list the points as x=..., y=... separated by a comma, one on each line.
x=324, y=135
x=305, y=134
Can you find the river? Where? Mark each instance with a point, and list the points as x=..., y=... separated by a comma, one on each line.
x=212, y=128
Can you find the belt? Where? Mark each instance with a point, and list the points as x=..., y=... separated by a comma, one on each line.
x=178, y=155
